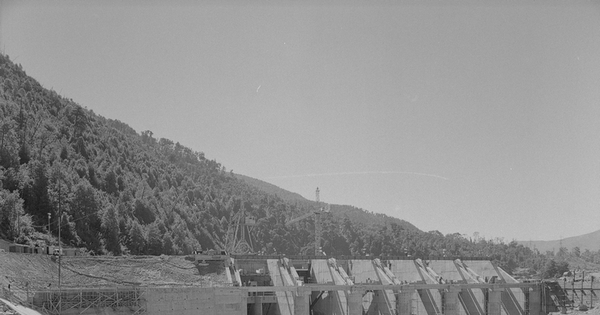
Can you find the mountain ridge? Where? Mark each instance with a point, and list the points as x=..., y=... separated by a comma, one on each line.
x=357, y=214
x=270, y=188
x=589, y=241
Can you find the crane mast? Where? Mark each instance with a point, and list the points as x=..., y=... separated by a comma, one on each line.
x=318, y=228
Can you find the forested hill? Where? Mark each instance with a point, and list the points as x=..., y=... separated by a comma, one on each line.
x=122, y=192
x=271, y=189
x=353, y=213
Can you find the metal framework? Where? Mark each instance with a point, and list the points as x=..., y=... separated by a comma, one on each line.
x=56, y=302
x=318, y=228
x=239, y=234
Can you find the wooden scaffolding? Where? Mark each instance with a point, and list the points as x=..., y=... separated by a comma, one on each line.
x=57, y=302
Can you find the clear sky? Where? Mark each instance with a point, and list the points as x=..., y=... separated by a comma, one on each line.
x=462, y=117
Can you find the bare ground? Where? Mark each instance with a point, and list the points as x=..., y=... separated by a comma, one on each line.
x=34, y=272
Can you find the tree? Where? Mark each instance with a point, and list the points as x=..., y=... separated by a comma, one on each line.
x=154, y=241
x=143, y=212
x=553, y=269
x=111, y=183
x=37, y=200
x=110, y=230
x=80, y=121
x=168, y=247
x=137, y=241
x=85, y=215
x=11, y=209
x=6, y=127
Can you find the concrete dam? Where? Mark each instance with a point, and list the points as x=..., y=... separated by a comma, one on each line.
x=263, y=285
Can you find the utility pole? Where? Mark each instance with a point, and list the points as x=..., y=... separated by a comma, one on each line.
x=49, y=233
x=59, y=245
x=318, y=230
x=582, y=281
x=591, y=291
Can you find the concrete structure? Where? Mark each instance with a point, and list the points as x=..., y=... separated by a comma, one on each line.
x=18, y=309
x=313, y=285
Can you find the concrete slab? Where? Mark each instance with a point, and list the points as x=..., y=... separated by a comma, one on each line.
x=483, y=268
x=363, y=272
x=446, y=269
x=332, y=302
x=185, y=301
x=486, y=270
x=20, y=309
x=405, y=271
x=429, y=302
x=387, y=298
x=285, y=299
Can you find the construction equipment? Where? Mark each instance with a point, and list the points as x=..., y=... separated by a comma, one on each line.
x=239, y=237
x=321, y=208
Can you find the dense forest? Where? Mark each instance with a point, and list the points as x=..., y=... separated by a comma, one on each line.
x=119, y=192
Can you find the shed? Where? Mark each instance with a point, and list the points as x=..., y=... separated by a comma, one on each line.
x=20, y=248
x=5, y=245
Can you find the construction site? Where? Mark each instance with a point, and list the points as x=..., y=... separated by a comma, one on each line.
x=245, y=283
x=308, y=285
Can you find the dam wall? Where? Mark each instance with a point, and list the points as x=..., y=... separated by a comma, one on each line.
x=352, y=286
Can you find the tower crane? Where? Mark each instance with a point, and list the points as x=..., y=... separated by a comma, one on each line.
x=316, y=213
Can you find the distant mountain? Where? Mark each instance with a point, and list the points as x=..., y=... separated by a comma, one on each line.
x=589, y=241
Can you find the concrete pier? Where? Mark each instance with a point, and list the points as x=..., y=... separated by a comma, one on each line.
x=451, y=303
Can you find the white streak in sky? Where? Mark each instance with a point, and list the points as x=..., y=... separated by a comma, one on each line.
x=258, y=88
x=358, y=173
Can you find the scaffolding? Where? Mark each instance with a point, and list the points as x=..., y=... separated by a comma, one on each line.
x=56, y=302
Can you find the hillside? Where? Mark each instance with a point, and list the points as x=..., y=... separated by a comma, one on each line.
x=40, y=272
x=355, y=214
x=271, y=189
x=116, y=191
x=589, y=241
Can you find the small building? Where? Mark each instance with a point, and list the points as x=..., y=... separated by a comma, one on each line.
x=20, y=248
x=71, y=251
x=66, y=251
x=5, y=245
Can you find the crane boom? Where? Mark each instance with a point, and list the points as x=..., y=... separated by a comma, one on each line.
x=302, y=217
x=318, y=228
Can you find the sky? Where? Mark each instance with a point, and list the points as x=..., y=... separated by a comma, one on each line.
x=461, y=117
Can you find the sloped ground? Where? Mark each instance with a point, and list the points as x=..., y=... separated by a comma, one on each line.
x=592, y=311
x=40, y=272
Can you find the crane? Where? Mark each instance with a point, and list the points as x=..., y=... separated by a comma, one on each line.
x=317, y=213
x=239, y=237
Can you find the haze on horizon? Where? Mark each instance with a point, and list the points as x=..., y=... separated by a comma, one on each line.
x=462, y=117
